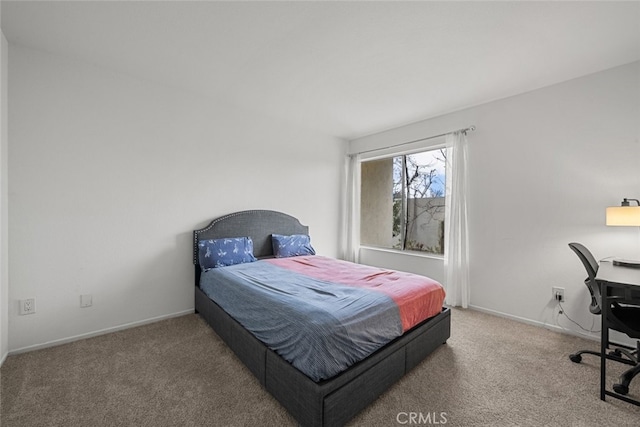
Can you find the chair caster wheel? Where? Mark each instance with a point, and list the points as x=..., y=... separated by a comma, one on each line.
x=620, y=388
x=575, y=358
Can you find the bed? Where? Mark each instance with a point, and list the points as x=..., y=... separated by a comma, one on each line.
x=330, y=401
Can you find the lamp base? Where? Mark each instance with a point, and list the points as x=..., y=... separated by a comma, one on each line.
x=626, y=263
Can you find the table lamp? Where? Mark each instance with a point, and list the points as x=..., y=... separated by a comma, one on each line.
x=625, y=215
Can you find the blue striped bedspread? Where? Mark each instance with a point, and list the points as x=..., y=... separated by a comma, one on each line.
x=320, y=327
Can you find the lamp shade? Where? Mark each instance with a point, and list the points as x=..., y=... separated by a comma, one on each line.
x=623, y=216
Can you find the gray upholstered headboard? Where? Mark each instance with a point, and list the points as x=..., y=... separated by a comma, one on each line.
x=257, y=224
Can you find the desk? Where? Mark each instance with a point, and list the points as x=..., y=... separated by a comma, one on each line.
x=615, y=281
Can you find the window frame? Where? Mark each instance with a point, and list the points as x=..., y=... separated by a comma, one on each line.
x=389, y=154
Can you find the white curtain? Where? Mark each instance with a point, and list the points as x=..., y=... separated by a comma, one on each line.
x=351, y=211
x=456, y=240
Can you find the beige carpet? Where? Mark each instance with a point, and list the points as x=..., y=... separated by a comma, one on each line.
x=492, y=372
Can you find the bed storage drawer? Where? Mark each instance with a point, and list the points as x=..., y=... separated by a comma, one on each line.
x=428, y=340
x=302, y=397
x=323, y=404
x=363, y=390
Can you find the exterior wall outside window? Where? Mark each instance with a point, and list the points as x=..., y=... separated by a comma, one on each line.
x=376, y=203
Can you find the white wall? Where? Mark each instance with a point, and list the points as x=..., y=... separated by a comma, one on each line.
x=543, y=166
x=4, y=256
x=108, y=176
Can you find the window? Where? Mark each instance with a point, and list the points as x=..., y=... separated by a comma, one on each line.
x=402, y=202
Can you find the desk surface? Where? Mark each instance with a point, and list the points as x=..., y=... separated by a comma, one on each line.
x=608, y=272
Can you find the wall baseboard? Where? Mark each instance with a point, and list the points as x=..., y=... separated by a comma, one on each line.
x=554, y=328
x=3, y=358
x=97, y=333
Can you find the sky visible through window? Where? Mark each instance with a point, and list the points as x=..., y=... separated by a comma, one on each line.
x=433, y=160
x=427, y=161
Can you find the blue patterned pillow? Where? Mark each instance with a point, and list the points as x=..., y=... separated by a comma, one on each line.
x=222, y=252
x=294, y=245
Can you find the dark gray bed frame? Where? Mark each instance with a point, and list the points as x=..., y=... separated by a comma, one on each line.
x=330, y=402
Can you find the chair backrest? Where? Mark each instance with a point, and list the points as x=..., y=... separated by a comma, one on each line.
x=591, y=265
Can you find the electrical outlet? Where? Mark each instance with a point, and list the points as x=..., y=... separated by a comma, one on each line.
x=85, y=301
x=28, y=306
x=558, y=293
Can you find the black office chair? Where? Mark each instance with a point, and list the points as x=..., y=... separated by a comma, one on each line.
x=624, y=318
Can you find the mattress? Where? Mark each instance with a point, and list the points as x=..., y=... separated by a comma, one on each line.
x=320, y=314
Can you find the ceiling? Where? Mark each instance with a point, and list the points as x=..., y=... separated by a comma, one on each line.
x=347, y=69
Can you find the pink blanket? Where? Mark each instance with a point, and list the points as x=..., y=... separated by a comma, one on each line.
x=418, y=297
